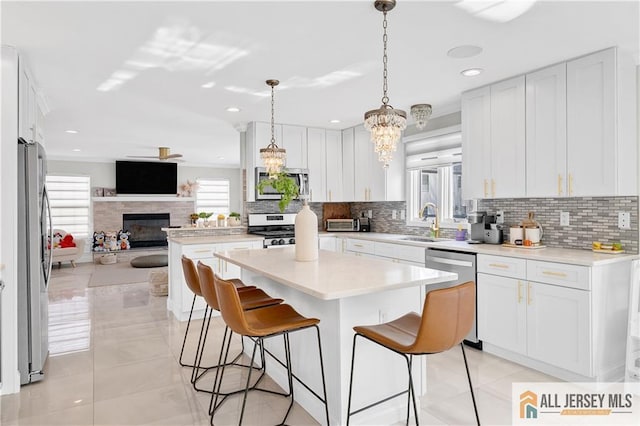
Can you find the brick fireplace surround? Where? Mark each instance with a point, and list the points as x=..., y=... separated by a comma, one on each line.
x=107, y=215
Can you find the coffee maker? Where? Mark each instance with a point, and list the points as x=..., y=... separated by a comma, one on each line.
x=477, y=225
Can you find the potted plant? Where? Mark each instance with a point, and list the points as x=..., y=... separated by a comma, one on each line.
x=234, y=219
x=285, y=185
x=205, y=217
x=194, y=217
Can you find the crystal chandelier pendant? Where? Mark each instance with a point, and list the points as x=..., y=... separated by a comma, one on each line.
x=385, y=123
x=421, y=114
x=273, y=158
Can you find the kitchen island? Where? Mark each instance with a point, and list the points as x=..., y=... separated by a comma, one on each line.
x=342, y=291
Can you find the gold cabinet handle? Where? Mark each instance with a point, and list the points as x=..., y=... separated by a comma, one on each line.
x=358, y=245
x=226, y=265
x=499, y=265
x=311, y=195
x=485, y=188
x=529, y=299
x=519, y=292
x=202, y=251
x=241, y=248
x=570, y=184
x=493, y=188
x=555, y=274
x=559, y=184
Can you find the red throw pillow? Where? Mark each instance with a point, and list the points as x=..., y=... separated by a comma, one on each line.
x=67, y=241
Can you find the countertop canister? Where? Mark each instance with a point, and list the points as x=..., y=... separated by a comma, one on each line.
x=306, y=231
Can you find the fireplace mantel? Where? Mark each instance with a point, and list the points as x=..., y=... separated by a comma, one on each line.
x=142, y=198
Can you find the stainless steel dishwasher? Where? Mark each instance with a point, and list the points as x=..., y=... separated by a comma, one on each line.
x=463, y=264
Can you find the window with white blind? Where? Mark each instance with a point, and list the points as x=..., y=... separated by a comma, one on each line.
x=212, y=196
x=70, y=201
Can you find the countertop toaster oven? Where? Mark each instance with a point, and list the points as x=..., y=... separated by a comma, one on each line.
x=342, y=225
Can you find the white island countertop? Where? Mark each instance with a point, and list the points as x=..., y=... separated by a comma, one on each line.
x=334, y=275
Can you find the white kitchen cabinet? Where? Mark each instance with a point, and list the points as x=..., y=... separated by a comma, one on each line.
x=562, y=319
x=294, y=140
x=31, y=110
x=368, y=171
x=591, y=124
x=546, y=133
x=476, y=143
x=334, y=171
x=507, y=164
x=329, y=243
x=348, y=164
x=317, y=162
x=558, y=326
x=502, y=312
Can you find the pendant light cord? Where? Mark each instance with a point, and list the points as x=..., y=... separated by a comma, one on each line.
x=273, y=138
x=385, y=98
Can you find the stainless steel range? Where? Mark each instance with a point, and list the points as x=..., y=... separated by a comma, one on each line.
x=278, y=229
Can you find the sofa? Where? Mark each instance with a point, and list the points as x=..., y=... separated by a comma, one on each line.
x=62, y=252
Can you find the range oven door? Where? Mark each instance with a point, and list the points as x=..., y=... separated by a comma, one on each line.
x=300, y=176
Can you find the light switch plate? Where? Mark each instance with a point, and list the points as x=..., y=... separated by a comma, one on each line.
x=402, y=214
x=394, y=214
x=370, y=214
x=564, y=218
x=624, y=220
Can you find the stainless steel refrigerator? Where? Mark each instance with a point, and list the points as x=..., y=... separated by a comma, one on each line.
x=34, y=261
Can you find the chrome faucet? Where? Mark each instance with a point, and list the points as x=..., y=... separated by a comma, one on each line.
x=435, y=228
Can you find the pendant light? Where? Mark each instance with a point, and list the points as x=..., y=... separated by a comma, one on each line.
x=385, y=123
x=421, y=114
x=272, y=156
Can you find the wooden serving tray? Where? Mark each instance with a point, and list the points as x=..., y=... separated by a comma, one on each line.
x=607, y=251
x=523, y=247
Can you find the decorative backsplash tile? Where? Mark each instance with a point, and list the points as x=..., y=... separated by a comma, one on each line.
x=591, y=218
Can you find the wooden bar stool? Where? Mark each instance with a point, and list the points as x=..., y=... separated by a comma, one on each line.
x=250, y=298
x=447, y=317
x=261, y=324
x=193, y=282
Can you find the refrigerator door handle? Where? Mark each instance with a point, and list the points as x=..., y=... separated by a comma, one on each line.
x=45, y=238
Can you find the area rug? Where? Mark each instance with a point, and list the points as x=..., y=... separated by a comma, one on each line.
x=120, y=273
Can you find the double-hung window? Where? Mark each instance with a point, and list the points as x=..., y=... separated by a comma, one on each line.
x=70, y=201
x=434, y=178
x=212, y=196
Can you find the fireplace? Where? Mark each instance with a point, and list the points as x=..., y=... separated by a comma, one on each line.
x=146, y=229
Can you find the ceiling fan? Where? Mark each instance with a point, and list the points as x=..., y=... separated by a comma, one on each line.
x=163, y=154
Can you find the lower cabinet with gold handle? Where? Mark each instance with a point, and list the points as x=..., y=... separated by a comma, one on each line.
x=556, y=317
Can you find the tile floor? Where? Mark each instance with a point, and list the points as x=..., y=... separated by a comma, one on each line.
x=114, y=361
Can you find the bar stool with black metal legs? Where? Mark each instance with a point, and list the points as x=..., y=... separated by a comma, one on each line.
x=193, y=282
x=250, y=298
x=447, y=317
x=260, y=324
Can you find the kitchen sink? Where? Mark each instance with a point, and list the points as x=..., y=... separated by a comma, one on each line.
x=420, y=239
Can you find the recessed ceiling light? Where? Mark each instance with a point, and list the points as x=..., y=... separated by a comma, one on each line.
x=334, y=121
x=233, y=109
x=465, y=51
x=208, y=85
x=220, y=158
x=71, y=131
x=75, y=150
x=471, y=72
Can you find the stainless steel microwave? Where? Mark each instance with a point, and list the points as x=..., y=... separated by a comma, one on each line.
x=300, y=176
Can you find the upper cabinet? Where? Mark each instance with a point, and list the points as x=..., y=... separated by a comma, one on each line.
x=294, y=140
x=31, y=109
x=591, y=124
x=565, y=130
x=334, y=171
x=547, y=132
x=493, y=140
x=317, y=161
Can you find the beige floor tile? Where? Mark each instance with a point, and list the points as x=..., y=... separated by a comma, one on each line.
x=129, y=351
x=76, y=416
x=459, y=409
x=142, y=407
x=136, y=377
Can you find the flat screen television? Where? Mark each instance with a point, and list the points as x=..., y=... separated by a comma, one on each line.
x=146, y=177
